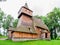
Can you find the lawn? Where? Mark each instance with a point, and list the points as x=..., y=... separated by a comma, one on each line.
x=38, y=42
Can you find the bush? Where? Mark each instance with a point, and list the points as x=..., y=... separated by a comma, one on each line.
x=58, y=38
x=0, y=34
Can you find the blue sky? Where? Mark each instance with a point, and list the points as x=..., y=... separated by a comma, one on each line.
x=39, y=7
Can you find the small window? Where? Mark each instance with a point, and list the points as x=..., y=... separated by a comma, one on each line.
x=29, y=11
x=30, y=29
x=25, y=10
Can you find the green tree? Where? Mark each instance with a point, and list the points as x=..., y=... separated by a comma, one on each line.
x=1, y=18
x=7, y=22
x=15, y=23
x=55, y=17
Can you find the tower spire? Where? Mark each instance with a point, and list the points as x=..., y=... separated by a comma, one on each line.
x=26, y=5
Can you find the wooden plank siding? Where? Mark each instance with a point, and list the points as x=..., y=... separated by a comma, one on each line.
x=25, y=21
x=38, y=30
x=9, y=34
x=24, y=35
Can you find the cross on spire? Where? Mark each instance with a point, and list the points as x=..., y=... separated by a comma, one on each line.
x=26, y=5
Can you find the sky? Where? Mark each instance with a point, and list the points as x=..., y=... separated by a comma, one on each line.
x=39, y=7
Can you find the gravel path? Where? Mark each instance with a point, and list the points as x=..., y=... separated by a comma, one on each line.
x=3, y=38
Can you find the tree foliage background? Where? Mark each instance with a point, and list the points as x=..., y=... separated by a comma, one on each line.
x=6, y=21
x=52, y=20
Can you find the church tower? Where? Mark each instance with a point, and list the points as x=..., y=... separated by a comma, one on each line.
x=25, y=16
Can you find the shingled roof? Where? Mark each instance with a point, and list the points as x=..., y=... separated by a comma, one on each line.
x=23, y=29
x=39, y=23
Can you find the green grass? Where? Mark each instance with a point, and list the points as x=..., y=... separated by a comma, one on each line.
x=38, y=42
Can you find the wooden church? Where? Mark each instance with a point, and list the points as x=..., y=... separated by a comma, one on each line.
x=28, y=27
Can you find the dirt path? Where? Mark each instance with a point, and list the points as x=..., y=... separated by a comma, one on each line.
x=3, y=38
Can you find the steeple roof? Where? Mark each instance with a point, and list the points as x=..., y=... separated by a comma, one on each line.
x=26, y=5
